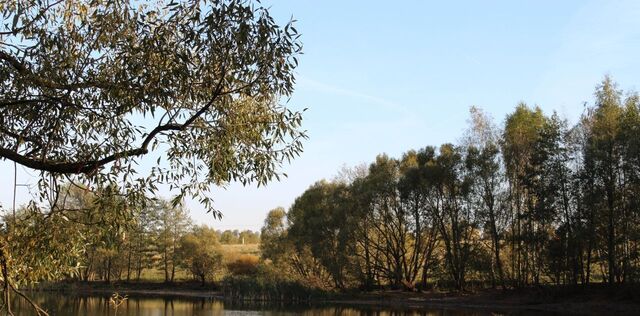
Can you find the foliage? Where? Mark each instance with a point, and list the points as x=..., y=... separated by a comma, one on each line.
x=89, y=87
x=236, y=237
x=245, y=264
x=317, y=221
x=248, y=237
x=536, y=202
x=272, y=233
x=200, y=252
x=172, y=226
x=268, y=285
x=51, y=256
x=97, y=240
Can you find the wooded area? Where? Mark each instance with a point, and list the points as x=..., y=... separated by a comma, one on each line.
x=108, y=241
x=536, y=202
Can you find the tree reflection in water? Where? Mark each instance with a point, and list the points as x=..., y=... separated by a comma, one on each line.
x=58, y=304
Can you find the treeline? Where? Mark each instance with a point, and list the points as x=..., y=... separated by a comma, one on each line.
x=116, y=241
x=536, y=201
x=236, y=237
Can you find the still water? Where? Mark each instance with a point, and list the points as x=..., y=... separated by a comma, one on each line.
x=58, y=304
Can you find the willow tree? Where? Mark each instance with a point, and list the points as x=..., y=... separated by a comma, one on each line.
x=90, y=87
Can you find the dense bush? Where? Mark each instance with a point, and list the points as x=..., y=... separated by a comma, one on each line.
x=245, y=264
x=267, y=285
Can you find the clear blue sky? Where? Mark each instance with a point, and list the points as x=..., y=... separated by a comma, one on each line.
x=386, y=77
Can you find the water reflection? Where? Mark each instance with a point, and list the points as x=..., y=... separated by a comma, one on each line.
x=58, y=305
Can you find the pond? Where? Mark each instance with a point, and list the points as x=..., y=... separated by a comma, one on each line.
x=58, y=304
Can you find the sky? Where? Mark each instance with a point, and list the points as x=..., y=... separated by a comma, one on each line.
x=385, y=77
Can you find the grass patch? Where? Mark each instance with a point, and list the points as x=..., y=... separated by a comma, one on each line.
x=229, y=251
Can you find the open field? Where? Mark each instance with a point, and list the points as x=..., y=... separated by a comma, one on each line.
x=229, y=251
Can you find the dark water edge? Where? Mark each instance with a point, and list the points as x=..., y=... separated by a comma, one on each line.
x=61, y=304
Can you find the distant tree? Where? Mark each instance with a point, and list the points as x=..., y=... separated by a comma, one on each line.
x=414, y=189
x=273, y=233
x=103, y=219
x=174, y=223
x=142, y=241
x=453, y=216
x=229, y=237
x=520, y=133
x=630, y=136
x=200, y=252
x=612, y=173
x=111, y=231
x=318, y=221
x=249, y=237
x=548, y=184
x=483, y=162
x=388, y=230
x=280, y=251
x=364, y=249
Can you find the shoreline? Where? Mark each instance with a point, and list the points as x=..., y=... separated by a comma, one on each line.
x=594, y=300
x=479, y=302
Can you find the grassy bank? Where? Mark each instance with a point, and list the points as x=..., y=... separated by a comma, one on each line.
x=247, y=288
x=143, y=289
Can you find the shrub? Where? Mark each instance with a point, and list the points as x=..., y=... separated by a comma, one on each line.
x=267, y=284
x=245, y=264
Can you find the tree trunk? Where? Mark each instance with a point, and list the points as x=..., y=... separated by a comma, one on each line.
x=129, y=266
x=108, y=270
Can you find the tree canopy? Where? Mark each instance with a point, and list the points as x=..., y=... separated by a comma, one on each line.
x=88, y=87
x=537, y=201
